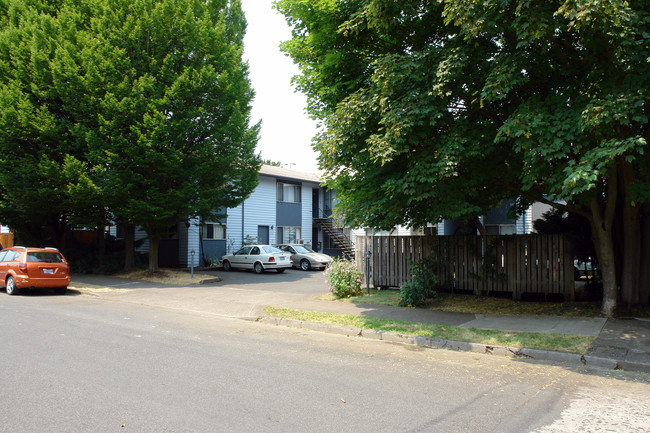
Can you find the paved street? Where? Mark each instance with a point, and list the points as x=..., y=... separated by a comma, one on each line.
x=88, y=364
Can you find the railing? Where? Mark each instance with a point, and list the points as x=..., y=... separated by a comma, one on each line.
x=336, y=234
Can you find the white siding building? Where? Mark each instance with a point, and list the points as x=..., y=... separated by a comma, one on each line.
x=280, y=210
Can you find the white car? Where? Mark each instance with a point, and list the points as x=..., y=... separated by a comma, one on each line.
x=258, y=258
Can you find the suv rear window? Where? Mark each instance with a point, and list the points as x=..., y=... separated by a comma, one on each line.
x=44, y=257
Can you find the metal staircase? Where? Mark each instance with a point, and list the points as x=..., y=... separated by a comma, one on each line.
x=336, y=234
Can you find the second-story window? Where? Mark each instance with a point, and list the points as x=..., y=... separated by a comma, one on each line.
x=288, y=192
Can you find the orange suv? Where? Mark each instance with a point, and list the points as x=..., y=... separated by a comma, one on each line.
x=26, y=268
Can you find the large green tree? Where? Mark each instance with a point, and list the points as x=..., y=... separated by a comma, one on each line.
x=174, y=139
x=41, y=150
x=146, y=106
x=441, y=109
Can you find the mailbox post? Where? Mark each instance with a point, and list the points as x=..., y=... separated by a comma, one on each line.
x=192, y=264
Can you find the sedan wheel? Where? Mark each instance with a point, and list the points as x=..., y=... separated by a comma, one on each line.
x=305, y=265
x=226, y=266
x=11, y=286
x=258, y=268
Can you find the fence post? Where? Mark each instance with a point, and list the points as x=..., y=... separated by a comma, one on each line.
x=368, y=256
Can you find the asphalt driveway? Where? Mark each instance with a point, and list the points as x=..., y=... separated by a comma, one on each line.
x=291, y=281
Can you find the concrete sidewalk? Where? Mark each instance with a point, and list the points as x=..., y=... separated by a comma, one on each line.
x=620, y=344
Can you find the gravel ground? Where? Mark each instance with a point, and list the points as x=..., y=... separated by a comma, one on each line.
x=624, y=409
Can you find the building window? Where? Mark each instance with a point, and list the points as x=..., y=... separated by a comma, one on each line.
x=214, y=231
x=288, y=192
x=391, y=232
x=500, y=229
x=288, y=235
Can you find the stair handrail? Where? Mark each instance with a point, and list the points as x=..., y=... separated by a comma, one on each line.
x=344, y=241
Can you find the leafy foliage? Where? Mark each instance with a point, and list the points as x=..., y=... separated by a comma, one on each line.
x=343, y=279
x=420, y=287
x=576, y=227
x=443, y=109
x=136, y=111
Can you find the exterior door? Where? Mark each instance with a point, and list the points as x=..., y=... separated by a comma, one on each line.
x=315, y=203
x=263, y=234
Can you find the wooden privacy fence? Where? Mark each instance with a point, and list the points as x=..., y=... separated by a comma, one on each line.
x=539, y=264
x=6, y=240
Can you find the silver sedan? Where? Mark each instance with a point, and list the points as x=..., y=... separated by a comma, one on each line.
x=305, y=258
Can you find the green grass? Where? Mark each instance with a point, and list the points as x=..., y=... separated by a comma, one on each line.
x=534, y=340
x=461, y=303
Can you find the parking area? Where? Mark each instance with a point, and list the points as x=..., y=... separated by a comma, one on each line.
x=291, y=281
x=239, y=294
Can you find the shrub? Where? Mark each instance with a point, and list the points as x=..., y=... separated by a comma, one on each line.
x=343, y=279
x=417, y=290
x=88, y=259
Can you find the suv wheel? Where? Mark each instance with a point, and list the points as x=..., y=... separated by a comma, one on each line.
x=11, y=286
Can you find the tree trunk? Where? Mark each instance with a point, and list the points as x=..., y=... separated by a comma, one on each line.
x=479, y=226
x=101, y=239
x=129, y=247
x=606, y=258
x=603, y=211
x=154, y=243
x=627, y=228
x=644, y=261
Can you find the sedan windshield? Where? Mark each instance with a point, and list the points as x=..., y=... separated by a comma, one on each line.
x=302, y=249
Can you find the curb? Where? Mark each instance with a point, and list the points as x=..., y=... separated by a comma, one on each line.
x=590, y=361
x=210, y=281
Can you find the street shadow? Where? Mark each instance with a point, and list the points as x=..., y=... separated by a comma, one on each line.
x=43, y=292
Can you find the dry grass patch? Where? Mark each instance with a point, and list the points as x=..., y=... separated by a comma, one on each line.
x=176, y=277
x=463, y=303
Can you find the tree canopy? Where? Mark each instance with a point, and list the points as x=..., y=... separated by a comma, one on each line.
x=443, y=109
x=133, y=110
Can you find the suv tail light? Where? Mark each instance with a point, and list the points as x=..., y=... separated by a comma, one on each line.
x=23, y=268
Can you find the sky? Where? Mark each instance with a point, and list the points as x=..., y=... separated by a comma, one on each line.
x=287, y=131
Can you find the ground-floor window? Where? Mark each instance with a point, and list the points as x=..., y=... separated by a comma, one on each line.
x=500, y=229
x=288, y=235
x=214, y=231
